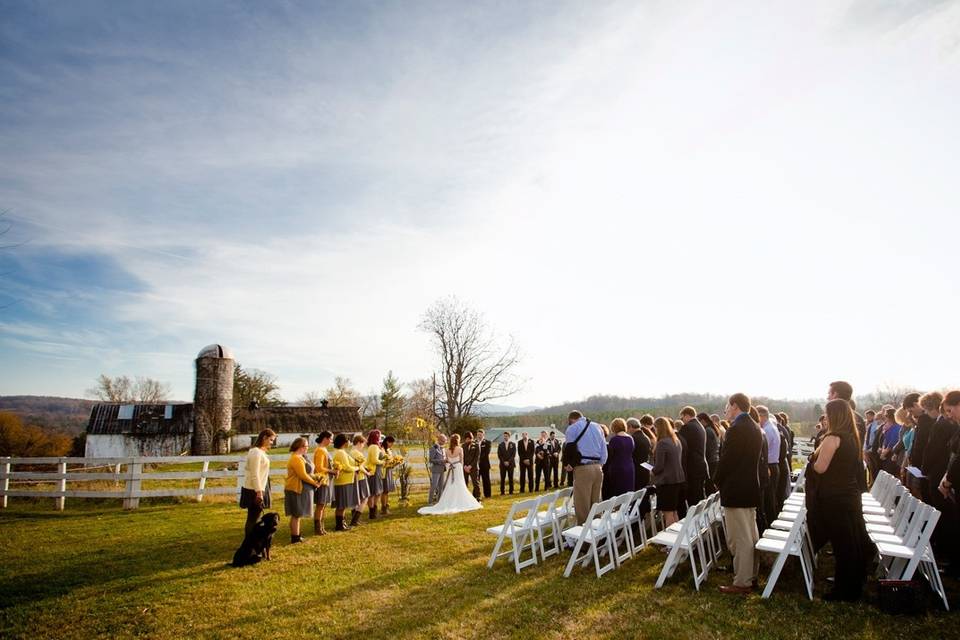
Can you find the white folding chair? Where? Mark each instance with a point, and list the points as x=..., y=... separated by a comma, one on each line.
x=637, y=520
x=793, y=545
x=688, y=540
x=594, y=534
x=520, y=531
x=620, y=527
x=545, y=523
x=564, y=511
x=900, y=561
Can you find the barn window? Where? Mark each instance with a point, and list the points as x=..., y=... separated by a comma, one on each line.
x=125, y=412
x=168, y=412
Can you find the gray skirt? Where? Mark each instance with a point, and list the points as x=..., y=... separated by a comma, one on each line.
x=363, y=489
x=375, y=482
x=298, y=505
x=346, y=496
x=323, y=495
x=388, y=482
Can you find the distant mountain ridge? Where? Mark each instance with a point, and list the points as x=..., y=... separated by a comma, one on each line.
x=69, y=415
x=503, y=410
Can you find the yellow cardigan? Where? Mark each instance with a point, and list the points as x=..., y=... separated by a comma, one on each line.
x=297, y=474
x=374, y=458
x=348, y=467
x=321, y=466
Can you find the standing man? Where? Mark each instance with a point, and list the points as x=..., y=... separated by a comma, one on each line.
x=484, y=463
x=739, y=487
x=591, y=446
x=506, y=454
x=694, y=454
x=525, y=450
x=641, y=451
x=772, y=434
x=844, y=390
x=471, y=462
x=554, y=458
x=542, y=452
x=438, y=467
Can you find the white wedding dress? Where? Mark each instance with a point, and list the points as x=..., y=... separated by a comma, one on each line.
x=455, y=498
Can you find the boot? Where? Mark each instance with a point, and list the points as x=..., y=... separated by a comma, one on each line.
x=296, y=539
x=355, y=519
x=373, y=513
x=386, y=509
x=318, y=527
x=340, y=524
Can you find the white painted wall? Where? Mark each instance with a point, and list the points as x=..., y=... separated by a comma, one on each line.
x=125, y=446
x=245, y=441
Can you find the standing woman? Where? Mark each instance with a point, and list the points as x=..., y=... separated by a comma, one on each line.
x=298, y=490
x=374, y=467
x=361, y=478
x=389, y=483
x=668, y=474
x=345, y=484
x=324, y=470
x=711, y=449
x=255, y=494
x=839, y=467
x=620, y=460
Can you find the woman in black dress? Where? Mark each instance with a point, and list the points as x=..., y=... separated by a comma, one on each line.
x=837, y=504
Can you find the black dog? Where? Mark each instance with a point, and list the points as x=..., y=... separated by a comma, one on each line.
x=256, y=545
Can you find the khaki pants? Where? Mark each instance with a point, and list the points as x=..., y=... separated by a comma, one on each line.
x=587, y=481
x=742, y=536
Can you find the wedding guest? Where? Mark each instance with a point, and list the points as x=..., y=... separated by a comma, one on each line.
x=820, y=431
x=711, y=449
x=901, y=452
x=668, y=474
x=641, y=455
x=484, y=465
x=837, y=501
x=950, y=484
x=737, y=479
x=324, y=470
x=930, y=411
x=889, y=437
x=693, y=440
x=542, y=453
x=763, y=473
x=555, y=450
x=438, y=467
x=345, y=488
x=360, y=478
x=936, y=462
x=373, y=464
x=718, y=425
x=255, y=493
x=507, y=457
x=526, y=450
x=786, y=465
x=298, y=489
x=389, y=482
x=844, y=390
x=771, y=506
x=620, y=459
x=588, y=473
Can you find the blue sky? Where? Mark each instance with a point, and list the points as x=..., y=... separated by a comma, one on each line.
x=300, y=181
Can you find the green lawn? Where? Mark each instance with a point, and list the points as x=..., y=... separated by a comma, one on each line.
x=161, y=572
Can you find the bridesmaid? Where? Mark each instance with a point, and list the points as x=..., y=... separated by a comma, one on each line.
x=361, y=482
x=389, y=484
x=345, y=485
x=374, y=467
x=324, y=493
x=298, y=489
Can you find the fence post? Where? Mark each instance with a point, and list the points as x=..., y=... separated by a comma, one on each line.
x=117, y=472
x=203, y=480
x=6, y=482
x=134, y=470
x=62, y=485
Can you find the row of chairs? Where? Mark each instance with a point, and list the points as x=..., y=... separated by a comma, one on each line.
x=697, y=537
x=608, y=532
x=531, y=525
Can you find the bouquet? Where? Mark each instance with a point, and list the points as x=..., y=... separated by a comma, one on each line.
x=393, y=461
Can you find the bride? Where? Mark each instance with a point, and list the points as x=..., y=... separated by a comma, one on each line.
x=455, y=497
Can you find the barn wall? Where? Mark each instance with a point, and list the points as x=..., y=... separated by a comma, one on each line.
x=125, y=446
x=246, y=440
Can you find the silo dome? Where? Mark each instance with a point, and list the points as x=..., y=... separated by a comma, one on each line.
x=216, y=351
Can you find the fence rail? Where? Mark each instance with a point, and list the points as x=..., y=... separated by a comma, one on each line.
x=132, y=472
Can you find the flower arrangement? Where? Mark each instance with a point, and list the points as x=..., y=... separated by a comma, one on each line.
x=403, y=477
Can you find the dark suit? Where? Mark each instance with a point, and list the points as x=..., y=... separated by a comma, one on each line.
x=694, y=459
x=471, y=458
x=555, y=450
x=485, y=466
x=507, y=455
x=920, y=439
x=739, y=467
x=525, y=452
x=542, y=464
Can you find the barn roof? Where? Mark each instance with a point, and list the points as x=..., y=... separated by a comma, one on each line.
x=297, y=419
x=140, y=419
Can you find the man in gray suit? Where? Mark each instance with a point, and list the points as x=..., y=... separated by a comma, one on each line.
x=438, y=467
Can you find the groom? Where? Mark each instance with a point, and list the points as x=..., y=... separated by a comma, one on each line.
x=471, y=462
x=438, y=467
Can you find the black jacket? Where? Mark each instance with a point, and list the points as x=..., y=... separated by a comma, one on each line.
x=506, y=454
x=737, y=471
x=471, y=454
x=920, y=439
x=484, y=454
x=526, y=453
x=694, y=444
x=936, y=457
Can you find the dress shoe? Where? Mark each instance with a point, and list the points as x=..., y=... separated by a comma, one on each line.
x=734, y=589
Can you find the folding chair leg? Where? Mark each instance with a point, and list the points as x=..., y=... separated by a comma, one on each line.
x=668, y=566
x=573, y=559
x=774, y=574
x=496, y=550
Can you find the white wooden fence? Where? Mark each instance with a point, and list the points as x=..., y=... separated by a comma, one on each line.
x=128, y=474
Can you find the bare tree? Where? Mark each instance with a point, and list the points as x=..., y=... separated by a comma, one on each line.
x=342, y=393
x=123, y=389
x=475, y=364
x=310, y=399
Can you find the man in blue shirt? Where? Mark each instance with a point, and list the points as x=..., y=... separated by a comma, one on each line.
x=588, y=475
x=773, y=464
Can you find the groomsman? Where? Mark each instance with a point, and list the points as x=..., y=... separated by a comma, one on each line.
x=471, y=460
x=438, y=466
x=506, y=454
x=525, y=450
x=542, y=452
x=555, y=449
x=484, y=463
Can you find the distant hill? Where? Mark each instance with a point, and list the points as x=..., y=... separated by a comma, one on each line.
x=503, y=410
x=68, y=415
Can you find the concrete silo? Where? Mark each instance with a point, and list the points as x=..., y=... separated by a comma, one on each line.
x=213, y=401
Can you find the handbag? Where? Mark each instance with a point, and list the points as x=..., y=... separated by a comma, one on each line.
x=571, y=454
x=900, y=596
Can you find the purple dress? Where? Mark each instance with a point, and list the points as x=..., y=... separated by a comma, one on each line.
x=619, y=473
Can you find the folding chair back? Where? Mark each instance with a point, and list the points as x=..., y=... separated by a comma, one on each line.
x=520, y=531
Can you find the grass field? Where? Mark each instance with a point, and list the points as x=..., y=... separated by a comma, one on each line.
x=161, y=572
